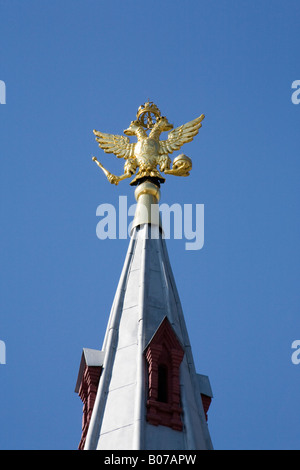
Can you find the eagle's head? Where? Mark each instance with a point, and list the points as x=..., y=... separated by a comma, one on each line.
x=133, y=128
x=163, y=124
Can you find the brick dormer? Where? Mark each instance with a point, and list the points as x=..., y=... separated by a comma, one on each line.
x=164, y=354
x=87, y=386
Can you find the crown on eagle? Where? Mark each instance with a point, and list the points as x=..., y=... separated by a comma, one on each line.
x=148, y=114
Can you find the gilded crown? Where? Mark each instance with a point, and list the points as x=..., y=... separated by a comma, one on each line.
x=148, y=114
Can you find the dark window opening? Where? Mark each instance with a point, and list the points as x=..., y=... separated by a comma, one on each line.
x=162, y=390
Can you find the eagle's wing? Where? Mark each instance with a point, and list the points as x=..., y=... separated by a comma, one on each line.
x=181, y=135
x=116, y=144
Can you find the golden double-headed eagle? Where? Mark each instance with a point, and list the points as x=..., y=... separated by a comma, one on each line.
x=149, y=152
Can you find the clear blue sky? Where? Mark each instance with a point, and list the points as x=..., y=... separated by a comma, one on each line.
x=71, y=66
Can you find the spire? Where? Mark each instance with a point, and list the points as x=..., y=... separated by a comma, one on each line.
x=141, y=391
x=149, y=394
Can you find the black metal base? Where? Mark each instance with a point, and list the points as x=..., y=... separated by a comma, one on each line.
x=155, y=180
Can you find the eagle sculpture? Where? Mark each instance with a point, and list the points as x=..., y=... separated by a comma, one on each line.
x=149, y=152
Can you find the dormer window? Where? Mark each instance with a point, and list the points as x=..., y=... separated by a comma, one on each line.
x=164, y=355
x=162, y=386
